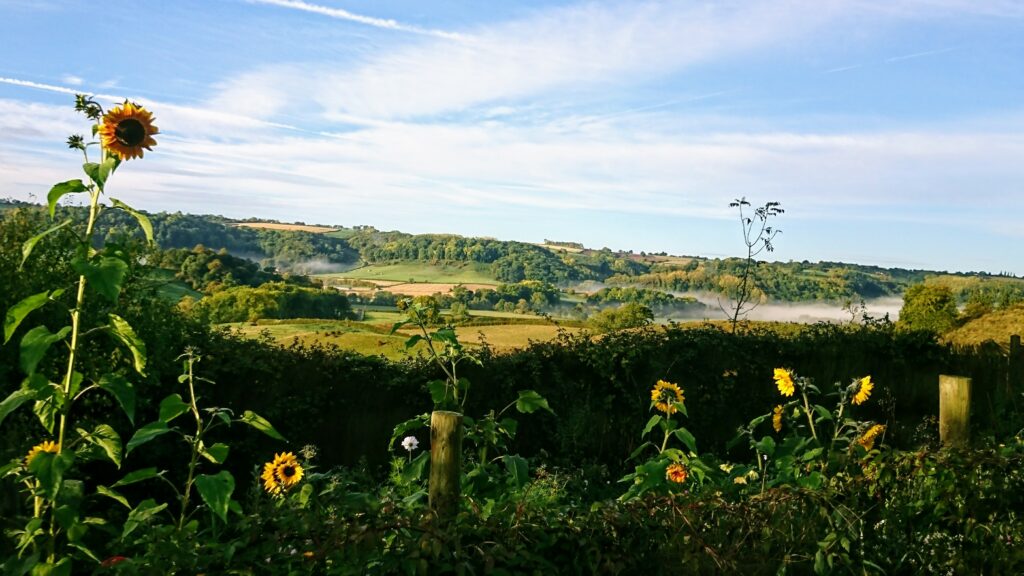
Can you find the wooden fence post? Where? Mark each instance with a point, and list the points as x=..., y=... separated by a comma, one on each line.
x=1015, y=373
x=445, y=462
x=954, y=410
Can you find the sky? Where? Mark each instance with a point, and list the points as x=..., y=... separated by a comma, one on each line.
x=891, y=131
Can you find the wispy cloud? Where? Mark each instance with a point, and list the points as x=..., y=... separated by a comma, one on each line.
x=919, y=55
x=338, y=13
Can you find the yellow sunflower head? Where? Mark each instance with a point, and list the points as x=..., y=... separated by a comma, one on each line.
x=676, y=473
x=784, y=380
x=777, y=418
x=664, y=396
x=869, y=437
x=281, y=474
x=47, y=446
x=127, y=130
x=863, y=390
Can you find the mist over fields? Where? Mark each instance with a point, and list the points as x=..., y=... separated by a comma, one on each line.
x=804, y=312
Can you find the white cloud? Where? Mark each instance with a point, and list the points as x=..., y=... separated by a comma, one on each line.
x=340, y=14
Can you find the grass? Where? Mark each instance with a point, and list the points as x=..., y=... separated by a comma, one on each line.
x=998, y=325
x=454, y=273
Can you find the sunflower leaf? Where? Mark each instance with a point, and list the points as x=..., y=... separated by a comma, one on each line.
x=651, y=424
x=414, y=470
x=143, y=220
x=26, y=248
x=530, y=401
x=105, y=276
x=137, y=476
x=122, y=331
x=17, y=313
x=518, y=470
x=686, y=438
x=122, y=390
x=35, y=343
x=171, y=407
x=49, y=468
x=217, y=453
x=141, y=513
x=59, y=190
x=146, y=433
x=216, y=491
x=105, y=438
x=14, y=400
x=260, y=423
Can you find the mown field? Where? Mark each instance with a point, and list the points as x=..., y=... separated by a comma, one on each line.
x=463, y=273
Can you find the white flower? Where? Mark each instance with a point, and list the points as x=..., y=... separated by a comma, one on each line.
x=410, y=443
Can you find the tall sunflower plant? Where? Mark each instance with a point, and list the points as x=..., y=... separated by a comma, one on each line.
x=800, y=441
x=674, y=466
x=56, y=534
x=486, y=440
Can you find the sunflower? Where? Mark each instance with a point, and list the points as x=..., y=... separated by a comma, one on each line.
x=664, y=396
x=777, y=418
x=868, y=439
x=47, y=446
x=784, y=380
x=676, y=473
x=127, y=129
x=281, y=474
x=863, y=391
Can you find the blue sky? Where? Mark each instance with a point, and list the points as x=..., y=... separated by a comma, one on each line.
x=892, y=131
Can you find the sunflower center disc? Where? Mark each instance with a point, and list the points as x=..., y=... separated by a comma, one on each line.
x=130, y=132
x=288, y=471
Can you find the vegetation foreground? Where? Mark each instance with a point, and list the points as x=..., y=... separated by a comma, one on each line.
x=577, y=456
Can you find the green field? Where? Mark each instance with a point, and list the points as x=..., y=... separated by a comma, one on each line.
x=454, y=273
x=372, y=336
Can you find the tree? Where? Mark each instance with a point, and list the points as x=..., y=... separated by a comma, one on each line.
x=928, y=307
x=629, y=315
x=744, y=293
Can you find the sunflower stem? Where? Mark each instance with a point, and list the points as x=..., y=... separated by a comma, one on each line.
x=807, y=410
x=195, y=443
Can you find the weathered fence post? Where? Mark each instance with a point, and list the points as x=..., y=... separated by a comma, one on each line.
x=954, y=410
x=445, y=462
x=1015, y=373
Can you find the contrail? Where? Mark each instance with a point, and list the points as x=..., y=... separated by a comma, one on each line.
x=918, y=55
x=340, y=14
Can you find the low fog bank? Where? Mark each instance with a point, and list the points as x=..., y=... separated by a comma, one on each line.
x=803, y=312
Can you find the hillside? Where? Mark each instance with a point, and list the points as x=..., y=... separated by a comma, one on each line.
x=997, y=326
x=365, y=253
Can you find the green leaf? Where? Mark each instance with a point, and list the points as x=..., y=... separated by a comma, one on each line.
x=145, y=510
x=122, y=331
x=61, y=568
x=122, y=390
x=530, y=401
x=114, y=495
x=171, y=407
x=99, y=173
x=438, y=391
x=397, y=325
x=14, y=400
x=823, y=413
x=145, y=434
x=766, y=446
x=402, y=428
x=639, y=449
x=518, y=469
x=217, y=453
x=412, y=341
x=49, y=469
x=144, y=222
x=686, y=438
x=46, y=411
x=812, y=454
x=216, y=492
x=35, y=343
x=15, y=314
x=107, y=439
x=58, y=190
x=414, y=470
x=105, y=276
x=26, y=248
x=137, y=476
x=260, y=423
x=650, y=425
